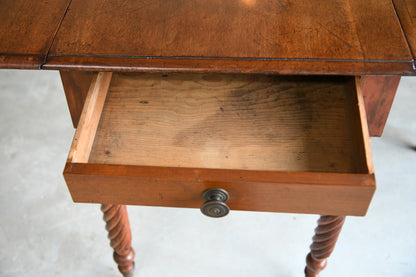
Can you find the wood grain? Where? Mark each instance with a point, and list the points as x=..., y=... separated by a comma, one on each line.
x=90, y=117
x=228, y=121
x=27, y=29
x=361, y=137
x=406, y=11
x=200, y=65
x=225, y=120
x=267, y=191
x=292, y=37
x=76, y=85
x=379, y=92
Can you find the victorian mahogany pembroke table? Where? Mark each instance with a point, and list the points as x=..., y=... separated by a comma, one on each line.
x=218, y=105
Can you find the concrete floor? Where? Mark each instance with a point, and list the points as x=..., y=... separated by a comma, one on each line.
x=43, y=233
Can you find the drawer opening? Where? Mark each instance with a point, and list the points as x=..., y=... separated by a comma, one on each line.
x=309, y=131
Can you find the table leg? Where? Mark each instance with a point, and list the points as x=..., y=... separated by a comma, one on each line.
x=118, y=227
x=378, y=93
x=324, y=240
x=76, y=85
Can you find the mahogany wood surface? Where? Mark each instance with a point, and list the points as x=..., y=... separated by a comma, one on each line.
x=27, y=29
x=288, y=37
x=283, y=66
x=326, y=236
x=378, y=93
x=406, y=11
x=119, y=233
x=333, y=188
x=76, y=85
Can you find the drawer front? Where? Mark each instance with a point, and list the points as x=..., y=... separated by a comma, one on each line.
x=319, y=182
x=298, y=192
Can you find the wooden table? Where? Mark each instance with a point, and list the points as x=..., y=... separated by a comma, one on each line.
x=237, y=40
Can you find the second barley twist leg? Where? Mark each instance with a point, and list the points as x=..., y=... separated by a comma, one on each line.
x=118, y=227
x=324, y=240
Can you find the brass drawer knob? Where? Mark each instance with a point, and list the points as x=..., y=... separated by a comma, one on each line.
x=215, y=202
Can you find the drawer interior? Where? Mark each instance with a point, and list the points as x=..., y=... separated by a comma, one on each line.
x=251, y=122
x=238, y=124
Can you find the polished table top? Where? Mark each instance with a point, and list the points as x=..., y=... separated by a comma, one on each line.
x=344, y=37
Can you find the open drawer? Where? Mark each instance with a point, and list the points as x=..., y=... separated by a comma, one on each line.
x=274, y=143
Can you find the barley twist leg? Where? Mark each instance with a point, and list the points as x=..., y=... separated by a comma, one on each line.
x=118, y=227
x=324, y=240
